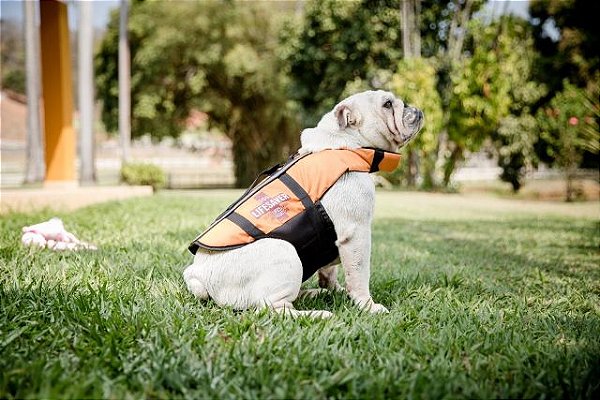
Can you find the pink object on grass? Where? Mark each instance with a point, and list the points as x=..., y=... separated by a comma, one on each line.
x=53, y=235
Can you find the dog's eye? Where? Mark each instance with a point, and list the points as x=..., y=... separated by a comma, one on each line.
x=387, y=104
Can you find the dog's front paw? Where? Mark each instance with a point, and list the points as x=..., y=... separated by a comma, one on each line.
x=377, y=309
x=372, y=307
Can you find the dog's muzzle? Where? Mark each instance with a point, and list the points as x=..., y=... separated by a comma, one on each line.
x=412, y=118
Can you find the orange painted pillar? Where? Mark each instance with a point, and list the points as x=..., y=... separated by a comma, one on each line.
x=57, y=93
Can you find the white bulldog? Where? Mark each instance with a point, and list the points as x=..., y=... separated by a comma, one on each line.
x=268, y=272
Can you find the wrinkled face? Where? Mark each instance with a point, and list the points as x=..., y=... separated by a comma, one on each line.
x=381, y=119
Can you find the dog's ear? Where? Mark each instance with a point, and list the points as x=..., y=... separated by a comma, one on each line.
x=346, y=116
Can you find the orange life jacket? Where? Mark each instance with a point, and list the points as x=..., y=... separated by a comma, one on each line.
x=287, y=205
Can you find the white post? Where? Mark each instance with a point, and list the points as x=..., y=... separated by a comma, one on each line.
x=86, y=94
x=124, y=84
x=35, y=148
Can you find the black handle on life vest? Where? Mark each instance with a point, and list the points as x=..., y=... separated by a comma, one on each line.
x=265, y=173
x=262, y=176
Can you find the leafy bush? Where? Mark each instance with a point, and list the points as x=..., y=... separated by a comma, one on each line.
x=143, y=174
x=14, y=79
x=570, y=126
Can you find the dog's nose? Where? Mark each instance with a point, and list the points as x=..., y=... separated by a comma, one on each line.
x=410, y=116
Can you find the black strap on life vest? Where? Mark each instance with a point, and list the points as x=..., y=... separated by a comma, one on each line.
x=255, y=232
x=265, y=177
x=377, y=157
x=245, y=225
x=296, y=189
x=291, y=184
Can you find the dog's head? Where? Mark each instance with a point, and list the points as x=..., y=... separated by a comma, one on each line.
x=380, y=118
x=367, y=119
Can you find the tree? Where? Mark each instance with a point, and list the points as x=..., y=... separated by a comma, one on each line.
x=494, y=95
x=451, y=34
x=415, y=81
x=514, y=144
x=516, y=134
x=570, y=124
x=411, y=47
x=335, y=43
x=567, y=38
x=124, y=80
x=574, y=52
x=222, y=60
x=357, y=44
x=411, y=30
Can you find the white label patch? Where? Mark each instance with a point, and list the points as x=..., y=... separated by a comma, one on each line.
x=269, y=204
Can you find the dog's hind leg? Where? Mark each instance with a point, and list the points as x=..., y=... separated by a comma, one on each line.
x=328, y=278
x=195, y=283
x=287, y=308
x=327, y=282
x=280, y=301
x=311, y=293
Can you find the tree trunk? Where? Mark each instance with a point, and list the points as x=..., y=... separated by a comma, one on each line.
x=411, y=174
x=457, y=32
x=124, y=84
x=411, y=45
x=446, y=159
x=437, y=175
x=455, y=157
x=569, y=181
x=249, y=160
x=406, y=28
x=411, y=28
x=35, y=170
x=428, y=170
x=416, y=31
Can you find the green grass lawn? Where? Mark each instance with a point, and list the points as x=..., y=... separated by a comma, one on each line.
x=488, y=298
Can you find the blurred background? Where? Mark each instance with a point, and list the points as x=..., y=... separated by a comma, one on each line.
x=198, y=94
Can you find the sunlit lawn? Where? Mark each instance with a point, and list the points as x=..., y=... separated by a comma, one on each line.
x=487, y=298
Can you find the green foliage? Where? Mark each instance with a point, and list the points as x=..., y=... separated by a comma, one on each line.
x=143, y=174
x=414, y=80
x=257, y=79
x=341, y=41
x=487, y=299
x=218, y=57
x=14, y=79
x=335, y=43
x=12, y=54
x=436, y=18
x=574, y=55
x=494, y=94
x=570, y=54
x=570, y=125
x=515, y=147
